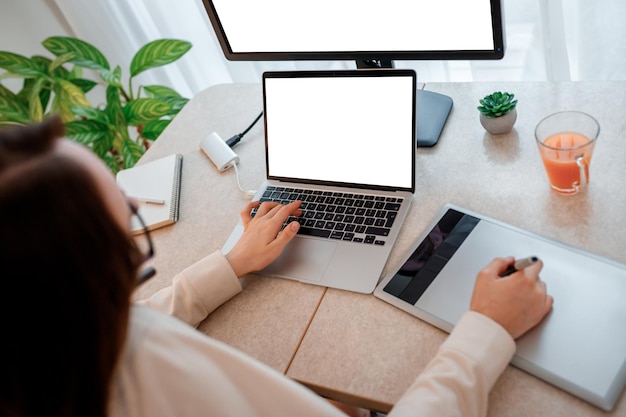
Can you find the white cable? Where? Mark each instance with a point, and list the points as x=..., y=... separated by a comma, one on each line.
x=249, y=192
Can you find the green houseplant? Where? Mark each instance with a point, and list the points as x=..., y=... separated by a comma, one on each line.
x=118, y=131
x=498, y=112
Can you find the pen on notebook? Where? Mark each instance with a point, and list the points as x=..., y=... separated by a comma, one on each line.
x=519, y=265
x=149, y=200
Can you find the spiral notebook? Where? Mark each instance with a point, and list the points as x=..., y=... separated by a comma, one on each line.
x=155, y=186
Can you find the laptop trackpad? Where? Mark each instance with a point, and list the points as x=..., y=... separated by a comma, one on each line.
x=303, y=259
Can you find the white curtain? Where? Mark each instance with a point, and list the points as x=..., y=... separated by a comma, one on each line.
x=546, y=40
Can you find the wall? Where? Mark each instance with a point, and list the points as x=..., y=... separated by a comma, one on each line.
x=24, y=24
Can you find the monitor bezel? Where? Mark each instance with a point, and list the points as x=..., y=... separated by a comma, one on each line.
x=497, y=52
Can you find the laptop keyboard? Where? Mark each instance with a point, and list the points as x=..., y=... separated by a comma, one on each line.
x=363, y=218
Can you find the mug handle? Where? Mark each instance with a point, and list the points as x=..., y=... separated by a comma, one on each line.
x=580, y=161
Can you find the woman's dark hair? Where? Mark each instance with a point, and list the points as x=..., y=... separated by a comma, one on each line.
x=68, y=271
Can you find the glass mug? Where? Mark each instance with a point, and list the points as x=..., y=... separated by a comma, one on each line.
x=566, y=140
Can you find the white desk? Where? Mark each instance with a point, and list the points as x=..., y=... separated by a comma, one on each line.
x=354, y=347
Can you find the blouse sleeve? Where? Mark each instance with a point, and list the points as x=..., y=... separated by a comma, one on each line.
x=458, y=379
x=198, y=290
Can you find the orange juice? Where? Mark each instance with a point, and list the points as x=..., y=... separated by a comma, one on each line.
x=559, y=157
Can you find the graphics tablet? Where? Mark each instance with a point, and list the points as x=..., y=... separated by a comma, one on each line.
x=579, y=347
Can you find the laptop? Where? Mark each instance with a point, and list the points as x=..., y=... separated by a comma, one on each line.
x=580, y=346
x=343, y=142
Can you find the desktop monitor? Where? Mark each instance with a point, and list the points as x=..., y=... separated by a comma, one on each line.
x=371, y=33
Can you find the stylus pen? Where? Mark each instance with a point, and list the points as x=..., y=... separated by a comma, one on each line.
x=519, y=265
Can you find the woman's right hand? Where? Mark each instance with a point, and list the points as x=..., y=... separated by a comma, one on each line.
x=518, y=302
x=262, y=240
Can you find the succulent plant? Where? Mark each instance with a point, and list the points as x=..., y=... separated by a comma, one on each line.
x=497, y=104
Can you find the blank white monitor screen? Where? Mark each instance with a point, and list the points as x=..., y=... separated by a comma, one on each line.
x=354, y=26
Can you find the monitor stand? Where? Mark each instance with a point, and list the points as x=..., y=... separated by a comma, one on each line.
x=432, y=108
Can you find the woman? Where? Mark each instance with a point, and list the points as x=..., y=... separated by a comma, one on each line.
x=75, y=345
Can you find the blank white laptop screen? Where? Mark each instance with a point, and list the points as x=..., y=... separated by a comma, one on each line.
x=314, y=136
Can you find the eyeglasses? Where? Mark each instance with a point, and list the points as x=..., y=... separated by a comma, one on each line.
x=144, y=243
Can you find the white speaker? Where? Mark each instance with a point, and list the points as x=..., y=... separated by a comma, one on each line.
x=218, y=151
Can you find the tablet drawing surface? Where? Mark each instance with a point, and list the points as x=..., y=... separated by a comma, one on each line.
x=579, y=347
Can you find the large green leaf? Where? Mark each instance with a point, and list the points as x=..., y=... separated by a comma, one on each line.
x=11, y=108
x=145, y=109
x=86, y=55
x=102, y=145
x=44, y=96
x=84, y=84
x=158, y=53
x=116, y=117
x=5, y=92
x=42, y=85
x=76, y=72
x=111, y=161
x=113, y=78
x=114, y=111
x=47, y=68
x=62, y=59
x=67, y=95
x=89, y=132
x=90, y=113
x=168, y=95
x=35, y=110
x=24, y=93
x=177, y=104
x=157, y=91
x=131, y=152
x=18, y=64
x=72, y=93
x=152, y=130
x=35, y=106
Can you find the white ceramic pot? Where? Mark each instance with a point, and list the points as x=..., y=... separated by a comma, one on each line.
x=499, y=125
